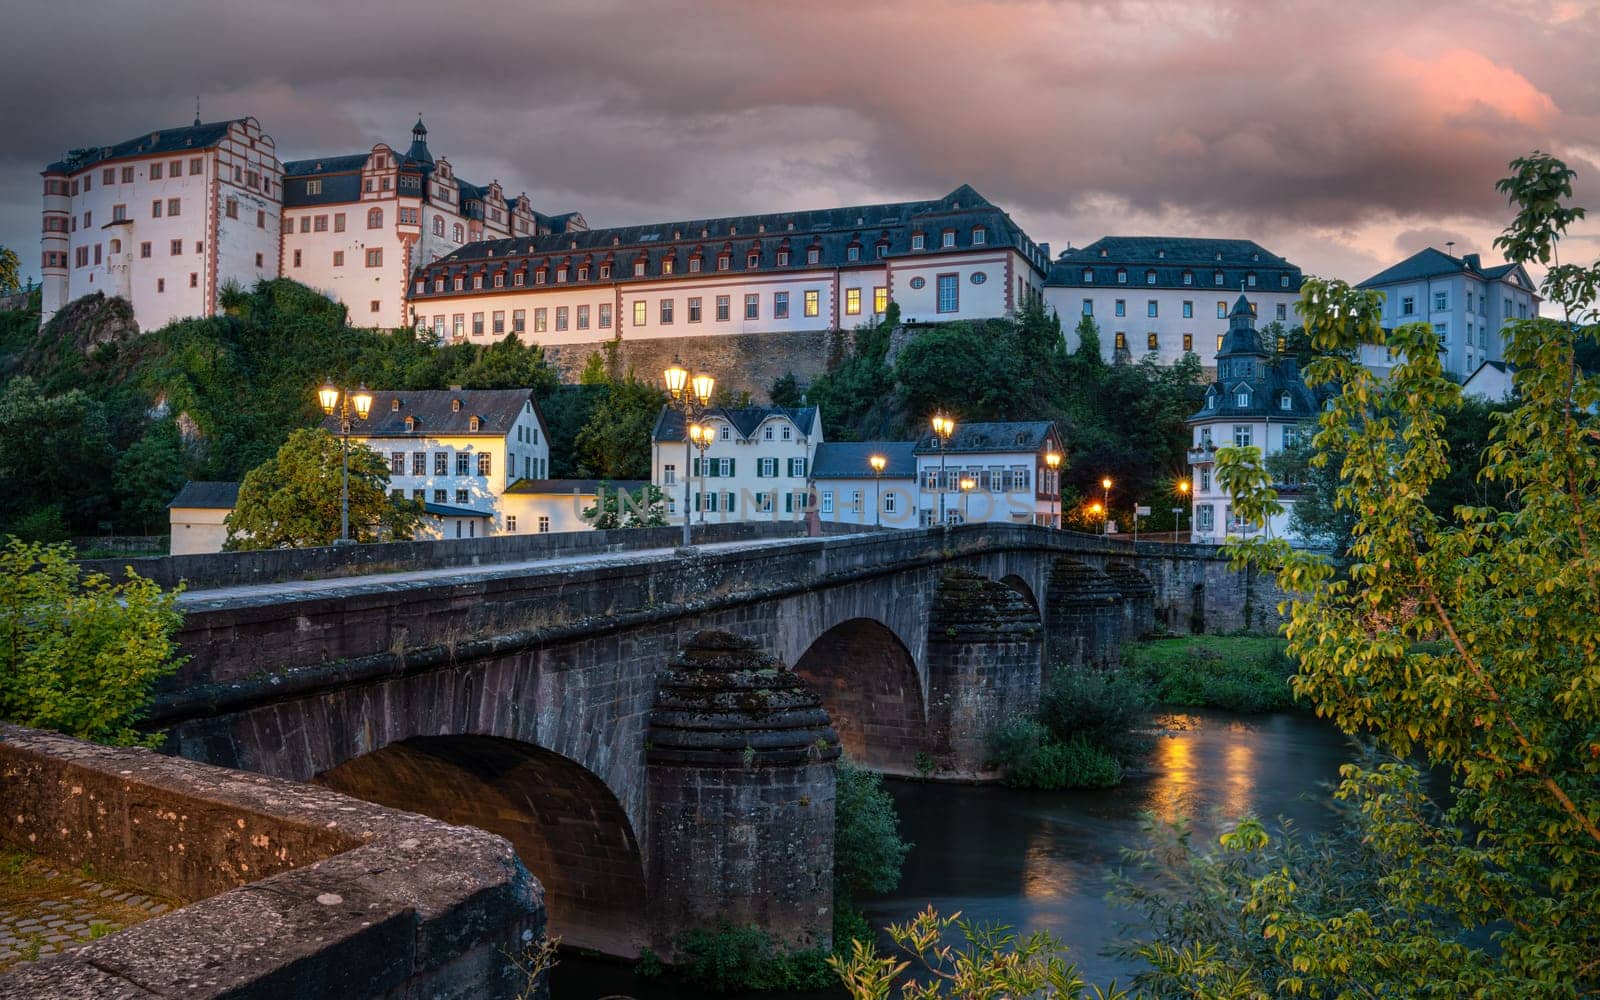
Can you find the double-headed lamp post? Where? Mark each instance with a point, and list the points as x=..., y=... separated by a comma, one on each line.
x=690, y=395
x=700, y=437
x=334, y=398
x=1052, y=461
x=943, y=427
x=1105, y=523
x=878, y=463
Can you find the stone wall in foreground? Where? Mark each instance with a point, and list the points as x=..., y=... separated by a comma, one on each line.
x=291, y=890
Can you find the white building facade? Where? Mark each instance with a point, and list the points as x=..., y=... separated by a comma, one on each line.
x=542, y=506
x=989, y=472
x=1163, y=296
x=756, y=468
x=457, y=449
x=1258, y=400
x=954, y=258
x=846, y=490
x=164, y=220
x=1468, y=303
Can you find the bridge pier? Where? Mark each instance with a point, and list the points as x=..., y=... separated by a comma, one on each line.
x=985, y=653
x=1083, y=617
x=1138, y=600
x=740, y=776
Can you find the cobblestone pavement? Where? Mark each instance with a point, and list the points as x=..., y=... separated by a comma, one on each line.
x=44, y=910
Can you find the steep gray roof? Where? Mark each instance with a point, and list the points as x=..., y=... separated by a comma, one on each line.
x=436, y=413
x=745, y=419
x=447, y=510
x=998, y=436
x=1171, y=257
x=848, y=459
x=1244, y=362
x=1432, y=263
x=831, y=231
x=207, y=496
x=183, y=139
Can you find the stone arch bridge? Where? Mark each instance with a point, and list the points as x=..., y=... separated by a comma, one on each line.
x=654, y=730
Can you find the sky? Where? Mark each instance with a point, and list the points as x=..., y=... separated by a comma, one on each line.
x=1343, y=135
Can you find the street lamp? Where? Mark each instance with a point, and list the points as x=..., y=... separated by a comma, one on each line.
x=943, y=427
x=700, y=437
x=878, y=462
x=1052, y=460
x=334, y=398
x=691, y=395
x=1183, y=494
x=1105, y=486
x=967, y=483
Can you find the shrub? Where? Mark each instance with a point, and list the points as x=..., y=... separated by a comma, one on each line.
x=1100, y=708
x=867, y=848
x=745, y=958
x=42, y=524
x=1238, y=673
x=1030, y=757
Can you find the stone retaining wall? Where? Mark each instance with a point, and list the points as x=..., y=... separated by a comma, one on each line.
x=292, y=890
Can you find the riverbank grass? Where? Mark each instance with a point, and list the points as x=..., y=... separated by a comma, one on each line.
x=1239, y=673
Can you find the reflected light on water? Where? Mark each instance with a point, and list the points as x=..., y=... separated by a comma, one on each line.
x=1172, y=788
x=1239, y=784
x=1045, y=873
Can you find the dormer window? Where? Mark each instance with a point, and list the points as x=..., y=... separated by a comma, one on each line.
x=538, y=276
x=1103, y=253
x=980, y=236
x=1250, y=279
x=1161, y=255
x=438, y=284
x=472, y=425
x=1188, y=277
x=605, y=271
x=752, y=261
x=455, y=406
x=918, y=241
x=947, y=239
x=394, y=406
x=638, y=268
x=724, y=261
x=411, y=424
x=1285, y=402
x=459, y=282
x=1283, y=281
x=1088, y=276
x=477, y=282
x=783, y=258
x=1216, y=279
x=1122, y=276
x=1150, y=277
x=852, y=253
x=883, y=249
x=1211, y=400
x=814, y=255
x=1241, y=397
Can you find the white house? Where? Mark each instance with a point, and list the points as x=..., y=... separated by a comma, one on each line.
x=1257, y=401
x=1160, y=295
x=989, y=472
x=1468, y=304
x=848, y=491
x=951, y=258
x=757, y=466
x=540, y=506
x=1491, y=382
x=197, y=516
x=457, y=449
x=163, y=220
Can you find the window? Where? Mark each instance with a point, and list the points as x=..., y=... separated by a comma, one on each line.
x=1150, y=277
x=1150, y=309
x=1121, y=308
x=177, y=250
x=541, y=320
x=694, y=309
x=1250, y=279
x=1151, y=342
x=1408, y=305
x=1285, y=401
x=1216, y=279
x=144, y=249
x=477, y=324
x=174, y=207
x=583, y=317
x=1088, y=276
x=1122, y=276
x=519, y=320
x=666, y=311
x=458, y=327
x=441, y=463
x=669, y=475
x=797, y=468
x=638, y=268
x=1204, y=516
x=724, y=261
x=419, y=463
x=752, y=261
x=1242, y=397
x=780, y=305
x=813, y=256
x=338, y=258
x=1241, y=435
x=980, y=236
x=456, y=233
x=813, y=302
x=161, y=284
x=544, y=524
x=852, y=301
x=375, y=257
x=605, y=315
x=947, y=239
x=194, y=276
x=1441, y=301
x=852, y=253
x=722, y=308
x=484, y=463
x=499, y=322
x=752, y=306
x=463, y=463
x=880, y=299
x=918, y=241
x=949, y=290
x=640, y=308
x=1122, y=341
x=827, y=495
x=1222, y=311
x=1188, y=342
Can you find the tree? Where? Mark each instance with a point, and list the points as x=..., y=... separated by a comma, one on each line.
x=10, y=271
x=1316, y=515
x=149, y=474
x=1088, y=352
x=81, y=655
x=54, y=451
x=615, y=442
x=785, y=391
x=645, y=507
x=1466, y=644
x=292, y=499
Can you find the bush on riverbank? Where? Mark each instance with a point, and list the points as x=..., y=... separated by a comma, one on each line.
x=1083, y=735
x=1234, y=672
x=1031, y=758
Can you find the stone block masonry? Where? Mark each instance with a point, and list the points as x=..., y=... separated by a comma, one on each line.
x=748, y=362
x=290, y=890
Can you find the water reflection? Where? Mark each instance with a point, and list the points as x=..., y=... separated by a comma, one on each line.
x=1040, y=861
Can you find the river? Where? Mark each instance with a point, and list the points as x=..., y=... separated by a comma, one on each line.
x=1042, y=860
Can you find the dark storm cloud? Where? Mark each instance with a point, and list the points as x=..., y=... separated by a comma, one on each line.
x=1325, y=130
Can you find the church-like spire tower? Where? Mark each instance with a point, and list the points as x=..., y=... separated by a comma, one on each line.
x=419, y=142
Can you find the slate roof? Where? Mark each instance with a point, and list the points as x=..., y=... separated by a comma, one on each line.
x=447, y=510
x=745, y=419
x=1171, y=257
x=183, y=139
x=1246, y=362
x=997, y=436
x=848, y=459
x=496, y=409
x=207, y=496
x=566, y=487
x=831, y=231
x=1432, y=263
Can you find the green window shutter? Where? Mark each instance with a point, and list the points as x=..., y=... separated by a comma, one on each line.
x=730, y=503
x=697, y=501
x=788, y=503
x=731, y=462
x=694, y=467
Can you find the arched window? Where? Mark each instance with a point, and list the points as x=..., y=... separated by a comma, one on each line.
x=374, y=218
x=1285, y=402
x=456, y=232
x=438, y=225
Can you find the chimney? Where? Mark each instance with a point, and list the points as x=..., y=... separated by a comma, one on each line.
x=1471, y=260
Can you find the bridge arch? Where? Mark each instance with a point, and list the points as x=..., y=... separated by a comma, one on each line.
x=869, y=683
x=1022, y=587
x=565, y=823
